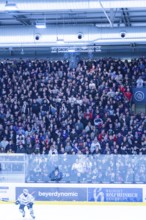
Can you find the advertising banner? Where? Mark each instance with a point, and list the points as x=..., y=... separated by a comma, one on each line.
x=55, y=193
x=4, y=193
x=115, y=194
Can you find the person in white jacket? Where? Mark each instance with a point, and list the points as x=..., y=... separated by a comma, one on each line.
x=25, y=200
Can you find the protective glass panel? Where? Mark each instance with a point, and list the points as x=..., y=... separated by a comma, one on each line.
x=73, y=168
x=12, y=168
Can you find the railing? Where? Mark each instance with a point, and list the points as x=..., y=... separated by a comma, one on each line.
x=73, y=168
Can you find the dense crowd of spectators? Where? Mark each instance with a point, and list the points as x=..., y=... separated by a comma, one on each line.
x=49, y=108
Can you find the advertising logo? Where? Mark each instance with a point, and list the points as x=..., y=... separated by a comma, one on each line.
x=139, y=96
x=115, y=194
x=55, y=193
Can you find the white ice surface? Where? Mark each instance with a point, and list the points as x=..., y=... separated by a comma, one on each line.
x=75, y=212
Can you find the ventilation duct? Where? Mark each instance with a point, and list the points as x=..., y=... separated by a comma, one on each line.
x=28, y=36
x=55, y=5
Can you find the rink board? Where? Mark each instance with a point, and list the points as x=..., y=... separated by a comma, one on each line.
x=74, y=194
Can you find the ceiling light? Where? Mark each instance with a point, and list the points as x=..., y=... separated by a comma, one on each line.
x=40, y=25
x=10, y=6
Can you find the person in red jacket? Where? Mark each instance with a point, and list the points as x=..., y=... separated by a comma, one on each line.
x=128, y=94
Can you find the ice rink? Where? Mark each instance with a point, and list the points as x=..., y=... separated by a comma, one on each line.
x=76, y=212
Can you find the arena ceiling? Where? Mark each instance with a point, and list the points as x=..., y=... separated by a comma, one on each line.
x=73, y=25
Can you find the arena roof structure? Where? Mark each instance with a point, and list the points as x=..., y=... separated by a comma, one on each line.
x=73, y=25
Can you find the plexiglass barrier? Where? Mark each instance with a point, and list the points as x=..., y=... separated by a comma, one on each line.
x=73, y=168
x=12, y=168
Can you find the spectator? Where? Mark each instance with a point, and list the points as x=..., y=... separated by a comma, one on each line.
x=4, y=143
x=139, y=82
x=56, y=175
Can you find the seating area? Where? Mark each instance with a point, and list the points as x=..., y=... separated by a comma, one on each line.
x=46, y=107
